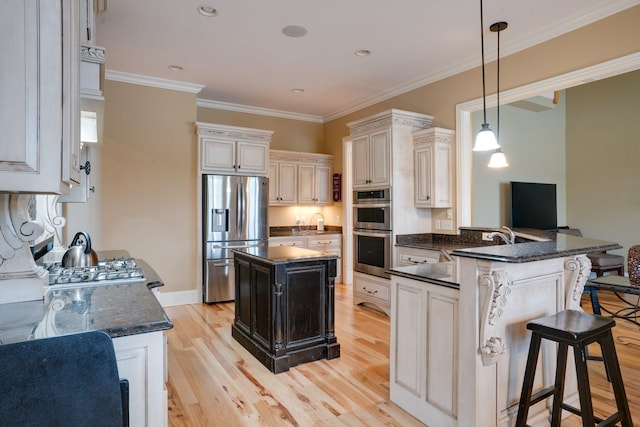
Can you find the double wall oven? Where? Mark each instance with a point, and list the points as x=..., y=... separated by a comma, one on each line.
x=372, y=231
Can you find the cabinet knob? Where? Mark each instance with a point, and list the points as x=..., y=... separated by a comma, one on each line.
x=86, y=167
x=92, y=189
x=428, y=197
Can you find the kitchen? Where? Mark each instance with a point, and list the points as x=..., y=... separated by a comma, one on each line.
x=164, y=183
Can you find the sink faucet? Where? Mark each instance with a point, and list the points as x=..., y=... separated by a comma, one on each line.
x=311, y=219
x=507, y=240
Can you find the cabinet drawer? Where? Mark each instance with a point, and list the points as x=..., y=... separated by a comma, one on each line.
x=418, y=256
x=297, y=242
x=323, y=242
x=377, y=290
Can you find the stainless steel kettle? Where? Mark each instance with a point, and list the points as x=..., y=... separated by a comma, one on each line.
x=79, y=254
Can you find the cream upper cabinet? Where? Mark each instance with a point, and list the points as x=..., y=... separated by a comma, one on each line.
x=233, y=150
x=433, y=172
x=314, y=185
x=371, y=160
x=39, y=96
x=283, y=183
x=297, y=178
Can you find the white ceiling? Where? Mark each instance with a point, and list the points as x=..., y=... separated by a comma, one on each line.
x=244, y=62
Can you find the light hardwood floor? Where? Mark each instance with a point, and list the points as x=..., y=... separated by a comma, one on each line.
x=213, y=381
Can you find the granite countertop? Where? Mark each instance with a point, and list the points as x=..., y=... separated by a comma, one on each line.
x=117, y=309
x=284, y=254
x=440, y=273
x=562, y=246
x=296, y=231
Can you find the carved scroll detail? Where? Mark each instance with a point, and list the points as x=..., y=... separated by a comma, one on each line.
x=576, y=273
x=495, y=287
x=16, y=229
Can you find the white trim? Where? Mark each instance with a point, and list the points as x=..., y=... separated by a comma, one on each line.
x=206, y=103
x=137, y=79
x=464, y=134
x=347, y=215
x=168, y=299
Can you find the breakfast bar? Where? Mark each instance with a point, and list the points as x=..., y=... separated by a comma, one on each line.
x=470, y=315
x=284, y=305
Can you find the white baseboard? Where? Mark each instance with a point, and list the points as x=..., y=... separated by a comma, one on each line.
x=167, y=299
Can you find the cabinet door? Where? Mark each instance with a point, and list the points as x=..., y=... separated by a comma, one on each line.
x=288, y=183
x=218, y=155
x=423, y=186
x=252, y=158
x=380, y=163
x=306, y=184
x=273, y=184
x=324, y=183
x=32, y=96
x=443, y=176
x=361, y=162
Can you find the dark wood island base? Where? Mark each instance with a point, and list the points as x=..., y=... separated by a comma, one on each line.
x=284, y=307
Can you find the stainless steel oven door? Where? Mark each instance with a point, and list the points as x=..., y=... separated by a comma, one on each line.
x=372, y=252
x=372, y=216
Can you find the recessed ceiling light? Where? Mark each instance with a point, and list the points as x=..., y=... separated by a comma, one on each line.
x=176, y=68
x=207, y=11
x=362, y=52
x=297, y=90
x=294, y=31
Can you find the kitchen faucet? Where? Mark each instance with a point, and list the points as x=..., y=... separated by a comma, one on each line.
x=311, y=219
x=508, y=240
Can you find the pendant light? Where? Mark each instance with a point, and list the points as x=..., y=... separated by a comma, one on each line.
x=498, y=159
x=485, y=139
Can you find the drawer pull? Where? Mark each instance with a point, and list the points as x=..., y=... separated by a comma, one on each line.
x=368, y=291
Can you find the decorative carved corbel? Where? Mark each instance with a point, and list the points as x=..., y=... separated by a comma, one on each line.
x=576, y=273
x=16, y=229
x=495, y=287
x=50, y=217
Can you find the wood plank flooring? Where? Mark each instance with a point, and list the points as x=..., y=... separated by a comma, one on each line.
x=213, y=381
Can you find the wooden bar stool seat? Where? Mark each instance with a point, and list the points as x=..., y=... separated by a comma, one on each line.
x=576, y=329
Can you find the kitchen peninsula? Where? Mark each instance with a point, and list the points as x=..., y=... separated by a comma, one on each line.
x=458, y=329
x=284, y=306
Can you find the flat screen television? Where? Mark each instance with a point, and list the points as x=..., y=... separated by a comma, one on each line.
x=534, y=205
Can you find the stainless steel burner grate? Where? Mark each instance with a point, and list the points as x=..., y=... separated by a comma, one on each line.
x=108, y=271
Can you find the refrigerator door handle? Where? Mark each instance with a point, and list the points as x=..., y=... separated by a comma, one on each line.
x=215, y=246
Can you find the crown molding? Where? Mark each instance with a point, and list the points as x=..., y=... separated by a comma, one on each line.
x=137, y=79
x=206, y=103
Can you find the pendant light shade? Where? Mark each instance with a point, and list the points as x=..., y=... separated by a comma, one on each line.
x=485, y=139
x=498, y=160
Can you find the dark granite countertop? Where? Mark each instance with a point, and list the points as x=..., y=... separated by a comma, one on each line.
x=440, y=273
x=284, y=254
x=562, y=246
x=117, y=309
x=298, y=232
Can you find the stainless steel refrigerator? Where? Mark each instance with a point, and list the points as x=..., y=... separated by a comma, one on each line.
x=234, y=216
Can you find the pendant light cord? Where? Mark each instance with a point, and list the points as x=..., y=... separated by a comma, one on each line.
x=484, y=94
x=498, y=90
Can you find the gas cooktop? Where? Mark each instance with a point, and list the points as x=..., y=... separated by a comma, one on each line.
x=107, y=272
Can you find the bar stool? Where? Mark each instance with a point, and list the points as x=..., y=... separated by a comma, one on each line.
x=576, y=329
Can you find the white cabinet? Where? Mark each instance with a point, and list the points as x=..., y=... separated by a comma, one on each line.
x=283, y=183
x=297, y=178
x=371, y=290
x=39, y=96
x=327, y=243
x=142, y=361
x=233, y=150
x=314, y=186
x=424, y=357
x=411, y=256
x=433, y=170
x=372, y=160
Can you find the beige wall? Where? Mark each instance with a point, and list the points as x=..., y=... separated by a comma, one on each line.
x=148, y=176
x=603, y=154
x=147, y=181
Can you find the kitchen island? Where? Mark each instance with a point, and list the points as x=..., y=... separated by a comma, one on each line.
x=284, y=306
x=128, y=312
x=458, y=330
